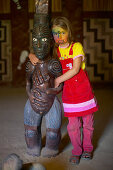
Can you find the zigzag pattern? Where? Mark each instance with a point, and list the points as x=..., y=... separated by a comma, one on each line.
x=98, y=44
x=5, y=51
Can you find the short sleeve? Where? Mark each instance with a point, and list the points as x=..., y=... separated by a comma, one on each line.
x=78, y=51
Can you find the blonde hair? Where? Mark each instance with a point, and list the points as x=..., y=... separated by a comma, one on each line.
x=65, y=24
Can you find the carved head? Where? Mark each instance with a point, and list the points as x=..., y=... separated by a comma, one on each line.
x=41, y=35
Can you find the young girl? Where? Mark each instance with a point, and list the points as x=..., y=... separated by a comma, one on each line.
x=77, y=97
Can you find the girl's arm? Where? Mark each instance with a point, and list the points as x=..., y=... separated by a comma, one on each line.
x=69, y=74
x=33, y=58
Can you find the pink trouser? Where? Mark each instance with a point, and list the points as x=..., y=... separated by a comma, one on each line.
x=74, y=131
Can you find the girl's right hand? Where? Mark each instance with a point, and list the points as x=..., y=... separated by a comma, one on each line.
x=34, y=60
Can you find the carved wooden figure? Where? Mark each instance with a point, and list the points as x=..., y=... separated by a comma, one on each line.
x=42, y=99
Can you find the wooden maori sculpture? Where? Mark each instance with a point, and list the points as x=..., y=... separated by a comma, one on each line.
x=40, y=88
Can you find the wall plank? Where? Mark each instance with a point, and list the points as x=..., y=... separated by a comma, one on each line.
x=97, y=5
x=4, y=6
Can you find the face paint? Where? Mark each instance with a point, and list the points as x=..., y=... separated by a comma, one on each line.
x=60, y=35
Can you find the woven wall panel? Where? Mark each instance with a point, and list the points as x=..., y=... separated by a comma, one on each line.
x=5, y=51
x=98, y=45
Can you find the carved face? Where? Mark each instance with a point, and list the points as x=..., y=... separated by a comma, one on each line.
x=41, y=40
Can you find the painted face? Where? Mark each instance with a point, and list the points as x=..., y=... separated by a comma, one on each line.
x=60, y=35
x=41, y=41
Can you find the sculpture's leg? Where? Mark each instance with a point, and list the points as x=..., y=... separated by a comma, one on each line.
x=32, y=124
x=53, y=134
x=53, y=138
x=33, y=141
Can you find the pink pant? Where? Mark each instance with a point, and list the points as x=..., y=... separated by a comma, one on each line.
x=74, y=131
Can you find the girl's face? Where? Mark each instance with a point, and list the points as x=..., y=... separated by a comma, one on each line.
x=60, y=35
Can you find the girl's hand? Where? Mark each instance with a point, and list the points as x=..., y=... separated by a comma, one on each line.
x=57, y=82
x=34, y=60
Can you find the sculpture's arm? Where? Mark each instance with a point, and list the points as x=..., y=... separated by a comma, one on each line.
x=29, y=72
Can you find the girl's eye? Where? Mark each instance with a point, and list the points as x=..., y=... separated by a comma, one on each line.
x=55, y=33
x=34, y=39
x=44, y=39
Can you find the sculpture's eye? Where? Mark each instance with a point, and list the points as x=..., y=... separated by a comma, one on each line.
x=34, y=39
x=44, y=39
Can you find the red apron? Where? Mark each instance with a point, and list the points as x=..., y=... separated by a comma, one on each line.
x=77, y=97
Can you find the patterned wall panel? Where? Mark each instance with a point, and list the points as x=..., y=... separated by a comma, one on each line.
x=5, y=51
x=98, y=45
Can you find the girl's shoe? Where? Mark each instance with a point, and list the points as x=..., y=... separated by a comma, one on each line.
x=86, y=155
x=74, y=159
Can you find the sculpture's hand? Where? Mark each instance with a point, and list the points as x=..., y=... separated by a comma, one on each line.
x=38, y=98
x=31, y=98
x=42, y=103
x=41, y=78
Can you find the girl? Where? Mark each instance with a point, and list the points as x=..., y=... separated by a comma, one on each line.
x=77, y=97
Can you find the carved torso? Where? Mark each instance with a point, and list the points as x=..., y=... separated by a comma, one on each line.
x=41, y=79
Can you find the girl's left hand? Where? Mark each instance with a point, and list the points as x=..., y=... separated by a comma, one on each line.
x=57, y=82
